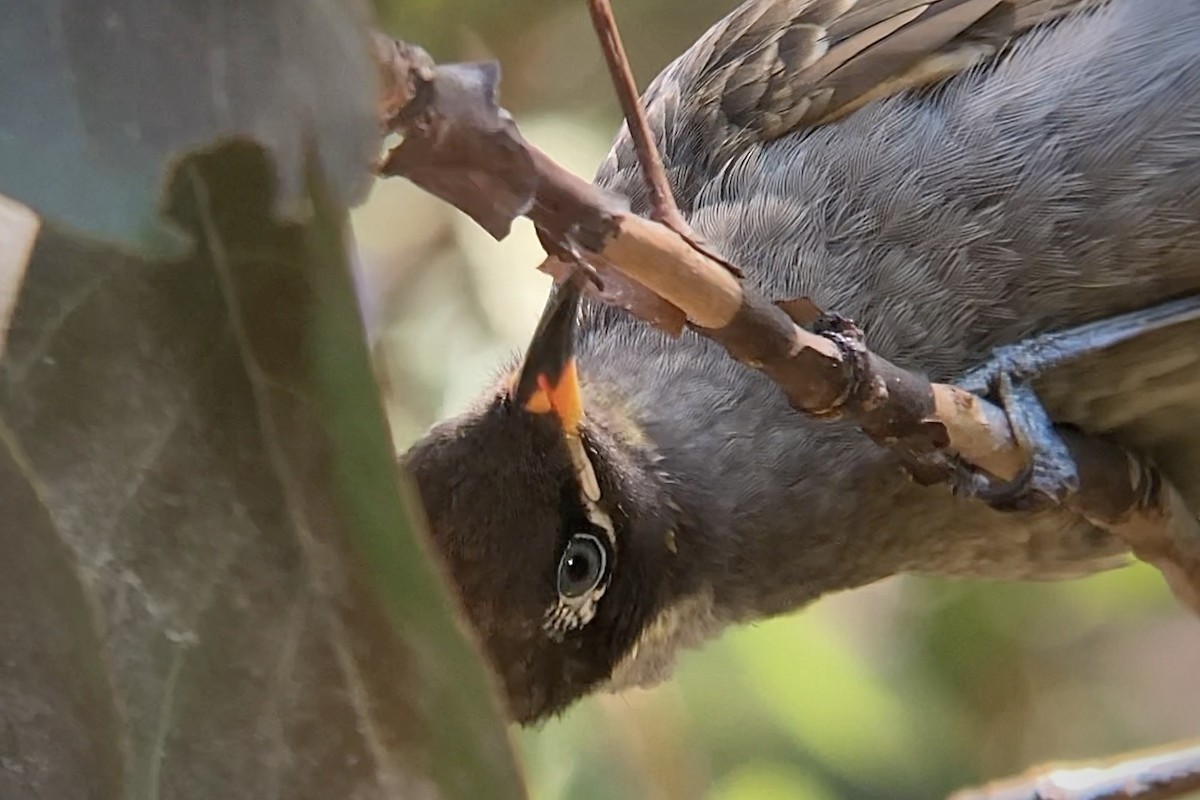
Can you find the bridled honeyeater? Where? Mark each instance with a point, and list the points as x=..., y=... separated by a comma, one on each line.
x=955, y=176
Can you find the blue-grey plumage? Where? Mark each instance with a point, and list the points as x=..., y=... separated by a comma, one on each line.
x=1031, y=183
x=1057, y=185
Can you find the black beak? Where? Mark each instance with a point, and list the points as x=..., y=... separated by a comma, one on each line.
x=548, y=381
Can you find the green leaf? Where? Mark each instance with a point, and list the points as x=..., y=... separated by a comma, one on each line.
x=101, y=98
x=211, y=448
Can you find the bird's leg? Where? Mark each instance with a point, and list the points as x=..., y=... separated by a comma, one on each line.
x=1053, y=474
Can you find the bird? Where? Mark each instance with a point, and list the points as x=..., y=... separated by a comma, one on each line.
x=957, y=177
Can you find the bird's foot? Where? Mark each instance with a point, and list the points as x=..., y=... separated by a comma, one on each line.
x=1052, y=475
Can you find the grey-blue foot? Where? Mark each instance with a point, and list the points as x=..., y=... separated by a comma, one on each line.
x=1007, y=379
x=1052, y=475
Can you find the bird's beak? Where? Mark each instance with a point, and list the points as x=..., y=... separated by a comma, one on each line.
x=548, y=381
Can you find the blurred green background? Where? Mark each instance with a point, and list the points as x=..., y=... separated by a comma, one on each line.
x=907, y=689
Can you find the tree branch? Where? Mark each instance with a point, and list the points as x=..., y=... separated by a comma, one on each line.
x=1160, y=774
x=461, y=146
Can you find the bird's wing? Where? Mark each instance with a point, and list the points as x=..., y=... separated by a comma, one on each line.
x=775, y=67
x=1142, y=391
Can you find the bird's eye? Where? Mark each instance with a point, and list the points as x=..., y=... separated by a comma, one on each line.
x=582, y=565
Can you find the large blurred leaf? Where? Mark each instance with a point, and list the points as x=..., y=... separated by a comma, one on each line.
x=99, y=95
x=59, y=729
x=215, y=592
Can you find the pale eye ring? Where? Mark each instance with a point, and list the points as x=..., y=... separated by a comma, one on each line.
x=582, y=565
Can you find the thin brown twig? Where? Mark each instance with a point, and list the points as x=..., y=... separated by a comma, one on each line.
x=662, y=200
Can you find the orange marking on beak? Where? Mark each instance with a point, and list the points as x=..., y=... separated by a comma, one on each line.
x=563, y=398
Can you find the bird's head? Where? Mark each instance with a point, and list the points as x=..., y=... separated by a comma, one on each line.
x=555, y=525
